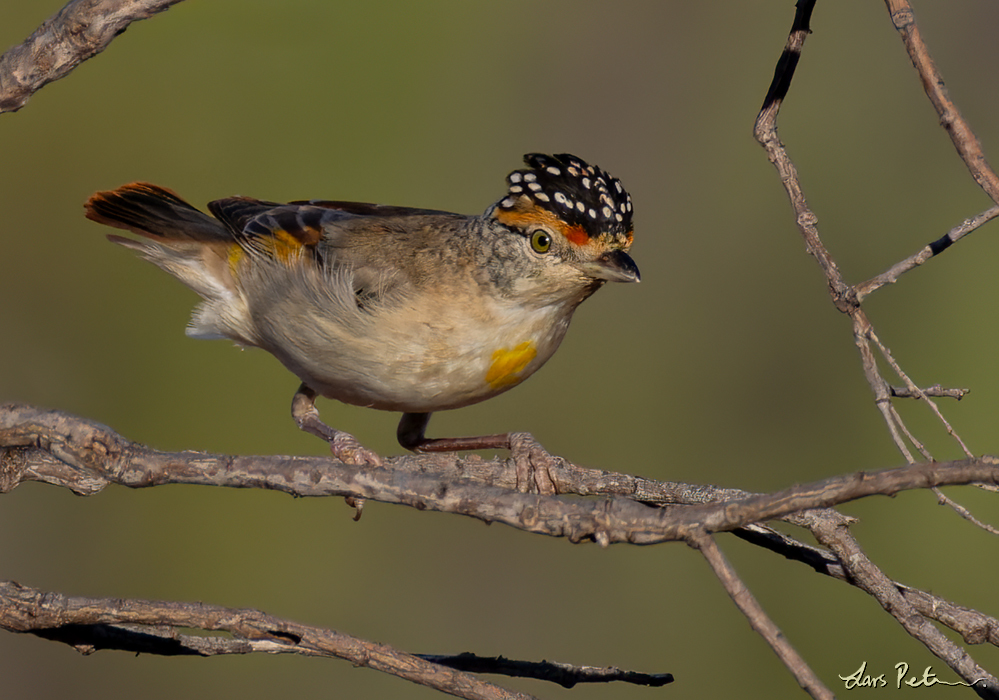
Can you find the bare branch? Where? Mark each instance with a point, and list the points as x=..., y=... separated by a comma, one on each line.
x=964, y=512
x=973, y=626
x=765, y=131
x=757, y=617
x=964, y=139
x=901, y=392
x=871, y=579
x=93, y=456
x=891, y=275
x=90, y=624
x=907, y=609
x=919, y=393
x=58, y=448
x=149, y=627
x=565, y=675
x=80, y=30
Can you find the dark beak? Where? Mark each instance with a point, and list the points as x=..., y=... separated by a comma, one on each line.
x=614, y=266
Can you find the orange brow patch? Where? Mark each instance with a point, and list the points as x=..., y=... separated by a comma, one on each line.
x=525, y=216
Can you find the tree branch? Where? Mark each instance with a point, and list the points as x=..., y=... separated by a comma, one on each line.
x=80, y=30
x=758, y=619
x=871, y=579
x=90, y=624
x=61, y=449
x=891, y=275
x=967, y=144
x=835, y=535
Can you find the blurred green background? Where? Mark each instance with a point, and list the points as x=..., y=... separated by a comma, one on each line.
x=727, y=365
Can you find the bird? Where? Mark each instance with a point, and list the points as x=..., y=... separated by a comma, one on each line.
x=388, y=307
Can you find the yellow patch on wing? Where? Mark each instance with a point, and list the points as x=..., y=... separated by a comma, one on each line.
x=280, y=245
x=284, y=246
x=509, y=363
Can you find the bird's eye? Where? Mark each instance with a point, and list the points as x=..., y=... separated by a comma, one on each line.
x=541, y=241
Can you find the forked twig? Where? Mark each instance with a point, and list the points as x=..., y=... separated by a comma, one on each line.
x=919, y=393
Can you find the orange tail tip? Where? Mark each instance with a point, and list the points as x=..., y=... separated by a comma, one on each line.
x=153, y=211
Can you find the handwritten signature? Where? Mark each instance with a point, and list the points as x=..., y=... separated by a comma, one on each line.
x=862, y=679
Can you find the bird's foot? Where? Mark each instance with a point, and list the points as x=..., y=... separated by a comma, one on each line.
x=534, y=465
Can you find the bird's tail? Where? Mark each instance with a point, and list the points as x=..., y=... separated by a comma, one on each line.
x=154, y=212
x=192, y=246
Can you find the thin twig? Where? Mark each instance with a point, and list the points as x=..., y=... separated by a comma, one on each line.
x=879, y=387
x=944, y=499
x=886, y=353
x=891, y=275
x=901, y=392
x=765, y=132
x=967, y=144
x=758, y=618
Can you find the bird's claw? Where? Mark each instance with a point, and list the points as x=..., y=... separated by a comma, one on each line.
x=534, y=465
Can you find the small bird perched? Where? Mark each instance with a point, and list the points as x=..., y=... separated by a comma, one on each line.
x=400, y=309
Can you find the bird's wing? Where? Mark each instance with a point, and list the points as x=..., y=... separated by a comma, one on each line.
x=341, y=240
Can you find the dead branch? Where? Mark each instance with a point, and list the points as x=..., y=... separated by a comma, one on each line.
x=80, y=30
x=892, y=274
x=847, y=299
x=871, y=579
x=60, y=449
x=63, y=450
x=969, y=148
x=565, y=675
x=758, y=619
x=152, y=627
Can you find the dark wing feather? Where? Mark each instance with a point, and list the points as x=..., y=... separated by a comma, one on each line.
x=365, y=209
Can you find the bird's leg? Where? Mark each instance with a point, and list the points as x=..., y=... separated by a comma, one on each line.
x=533, y=463
x=343, y=445
x=411, y=435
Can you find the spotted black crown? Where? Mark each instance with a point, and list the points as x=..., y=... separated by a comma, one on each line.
x=577, y=193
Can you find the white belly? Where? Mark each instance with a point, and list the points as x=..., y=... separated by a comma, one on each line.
x=401, y=363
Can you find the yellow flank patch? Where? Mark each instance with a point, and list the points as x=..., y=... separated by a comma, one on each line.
x=508, y=364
